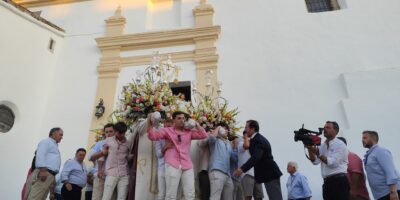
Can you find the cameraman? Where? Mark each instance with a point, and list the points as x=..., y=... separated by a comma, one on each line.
x=332, y=155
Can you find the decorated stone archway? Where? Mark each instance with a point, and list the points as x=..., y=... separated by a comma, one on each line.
x=203, y=36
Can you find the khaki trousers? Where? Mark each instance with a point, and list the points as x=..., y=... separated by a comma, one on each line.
x=37, y=189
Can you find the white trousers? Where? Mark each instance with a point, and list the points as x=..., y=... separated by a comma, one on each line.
x=161, y=184
x=98, y=188
x=172, y=178
x=122, y=187
x=221, y=186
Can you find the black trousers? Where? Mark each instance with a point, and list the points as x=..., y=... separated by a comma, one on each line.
x=57, y=196
x=74, y=194
x=336, y=187
x=88, y=195
x=387, y=197
x=204, y=184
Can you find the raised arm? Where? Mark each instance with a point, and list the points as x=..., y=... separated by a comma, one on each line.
x=313, y=153
x=199, y=132
x=246, y=141
x=153, y=134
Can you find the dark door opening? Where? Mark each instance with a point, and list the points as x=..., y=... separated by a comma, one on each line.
x=182, y=88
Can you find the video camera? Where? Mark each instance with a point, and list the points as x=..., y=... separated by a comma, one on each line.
x=309, y=138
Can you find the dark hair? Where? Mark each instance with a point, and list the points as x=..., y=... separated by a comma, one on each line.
x=80, y=149
x=176, y=113
x=343, y=140
x=108, y=126
x=374, y=134
x=53, y=130
x=120, y=127
x=253, y=124
x=232, y=137
x=168, y=120
x=335, y=125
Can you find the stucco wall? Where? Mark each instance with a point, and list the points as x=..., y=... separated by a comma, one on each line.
x=279, y=64
x=27, y=71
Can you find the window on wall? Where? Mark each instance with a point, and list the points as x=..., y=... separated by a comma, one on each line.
x=52, y=44
x=7, y=118
x=322, y=5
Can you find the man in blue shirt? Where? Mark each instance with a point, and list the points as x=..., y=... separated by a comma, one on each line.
x=237, y=186
x=382, y=175
x=221, y=184
x=74, y=176
x=297, y=184
x=48, y=161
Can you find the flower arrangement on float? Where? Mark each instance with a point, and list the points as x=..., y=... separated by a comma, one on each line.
x=212, y=110
x=150, y=92
x=211, y=113
x=99, y=134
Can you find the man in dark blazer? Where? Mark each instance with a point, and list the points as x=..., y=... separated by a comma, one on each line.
x=265, y=169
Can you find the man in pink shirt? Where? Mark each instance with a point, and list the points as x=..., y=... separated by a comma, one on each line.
x=117, y=149
x=356, y=176
x=178, y=164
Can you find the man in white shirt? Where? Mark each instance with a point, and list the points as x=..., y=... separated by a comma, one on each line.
x=48, y=162
x=250, y=187
x=332, y=155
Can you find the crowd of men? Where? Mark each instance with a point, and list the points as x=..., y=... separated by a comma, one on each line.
x=231, y=168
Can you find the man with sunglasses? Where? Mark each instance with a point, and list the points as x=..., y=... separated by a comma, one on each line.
x=178, y=164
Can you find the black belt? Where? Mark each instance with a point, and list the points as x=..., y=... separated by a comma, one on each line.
x=340, y=175
x=75, y=185
x=52, y=172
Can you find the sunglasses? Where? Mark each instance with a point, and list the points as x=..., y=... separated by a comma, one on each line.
x=179, y=138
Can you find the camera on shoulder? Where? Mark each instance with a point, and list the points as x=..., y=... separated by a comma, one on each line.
x=308, y=137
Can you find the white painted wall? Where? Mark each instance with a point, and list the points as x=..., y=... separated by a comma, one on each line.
x=27, y=70
x=279, y=64
x=310, y=68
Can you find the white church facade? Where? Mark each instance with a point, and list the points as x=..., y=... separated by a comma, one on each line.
x=281, y=62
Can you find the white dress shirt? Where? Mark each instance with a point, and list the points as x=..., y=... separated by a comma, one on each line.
x=244, y=156
x=337, y=160
x=47, y=155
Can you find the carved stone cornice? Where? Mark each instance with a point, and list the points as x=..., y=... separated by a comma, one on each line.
x=159, y=39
